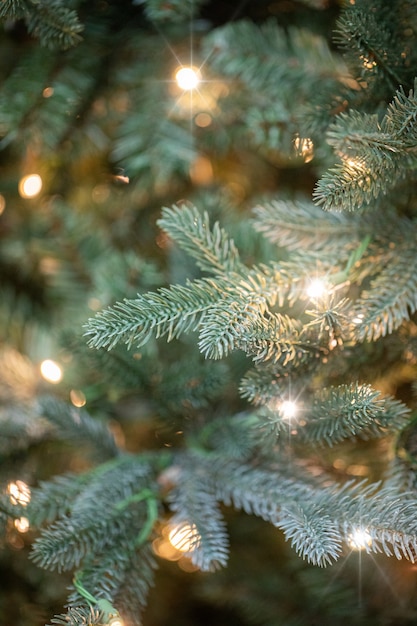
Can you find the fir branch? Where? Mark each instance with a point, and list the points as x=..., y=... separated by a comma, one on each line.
x=389, y=521
x=182, y=309
x=353, y=133
x=191, y=385
x=55, y=25
x=213, y=249
x=112, y=483
x=64, y=544
x=268, y=381
x=197, y=515
x=260, y=55
x=154, y=147
x=392, y=296
x=53, y=499
x=122, y=574
x=160, y=11
x=80, y=537
x=78, y=425
x=79, y=616
x=400, y=119
x=168, y=312
x=279, y=339
x=314, y=536
x=298, y=224
x=317, y=517
x=132, y=594
x=227, y=326
x=375, y=156
x=13, y=9
x=22, y=90
x=348, y=411
x=233, y=437
x=366, y=36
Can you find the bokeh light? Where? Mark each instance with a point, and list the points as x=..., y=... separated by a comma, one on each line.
x=51, y=371
x=30, y=186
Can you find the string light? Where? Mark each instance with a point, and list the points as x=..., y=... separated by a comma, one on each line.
x=30, y=186
x=288, y=409
x=304, y=147
x=116, y=621
x=359, y=539
x=22, y=524
x=19, y=493
x=316, y=288
x=51, y=371
x=78, y=398
x=184, y=538
x=187, y=78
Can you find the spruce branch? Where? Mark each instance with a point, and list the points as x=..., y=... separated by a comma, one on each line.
x=82, y=536
x=392, y=295
x=301, y=224
x=348, y=411
x=314, y=535
x=78, y=425
x=375, y=156
x=55, y=25
x=366, y=37
x=79, y=616
x=227, y=326
x=213, y=250
x=169, y=312
x=184, y=308
x=175, y=11
x=197, y=515
x=53, y=499
x=317, y=516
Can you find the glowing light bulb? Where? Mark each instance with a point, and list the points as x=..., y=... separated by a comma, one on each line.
x=304, y=147
x=187, y=78
x=19, y=492
x=51, y=371
x=316, y=288
x=116, y=621
x=184, y=538
x=288, y=409
x=30, y=186
x=22, y=524
x=78, y=398
x=360, y=539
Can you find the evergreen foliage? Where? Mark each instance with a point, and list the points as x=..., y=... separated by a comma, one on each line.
x=259, y=359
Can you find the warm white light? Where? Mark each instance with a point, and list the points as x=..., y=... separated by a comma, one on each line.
x=360, y=539
x=51, y=371
x=304, y=147
x=78, y=398
x=187, y=78
x=116, y=621
x=30, y=185
x=19, y=492
x=184, y=538
x=22, y=524
x=358, y=319
x=316, y=288
x=288, y=409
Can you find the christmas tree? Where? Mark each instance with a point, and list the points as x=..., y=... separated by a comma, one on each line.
x=209, y=291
